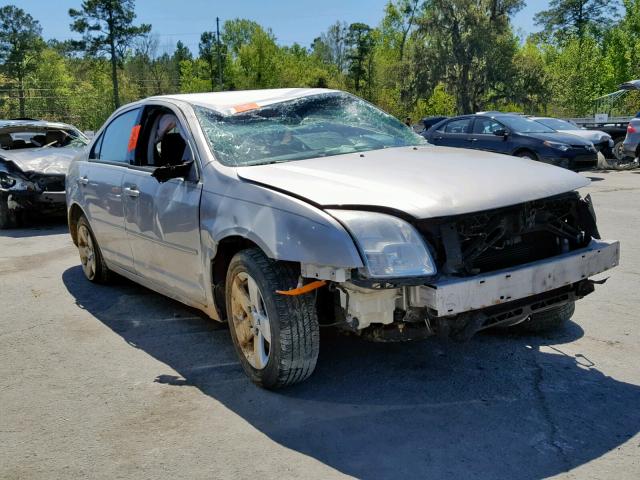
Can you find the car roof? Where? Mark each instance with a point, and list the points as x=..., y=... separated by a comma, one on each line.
x=237, y=101
x=34, y=124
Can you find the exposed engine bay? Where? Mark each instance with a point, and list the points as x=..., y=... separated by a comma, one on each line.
x=494, y=268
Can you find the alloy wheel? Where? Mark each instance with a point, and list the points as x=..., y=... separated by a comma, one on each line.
x=250, y=320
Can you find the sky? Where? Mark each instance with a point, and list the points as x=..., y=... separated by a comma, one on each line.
x=291, y=20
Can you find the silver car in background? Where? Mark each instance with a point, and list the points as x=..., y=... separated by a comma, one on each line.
x=631, y=144
x=281, y=211
x=34, y=158
x=601, y=140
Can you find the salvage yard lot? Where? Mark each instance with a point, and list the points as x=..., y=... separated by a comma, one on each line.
x=119, y=382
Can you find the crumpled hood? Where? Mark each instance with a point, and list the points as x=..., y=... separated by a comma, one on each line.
x=50, y=161
x=424, y=182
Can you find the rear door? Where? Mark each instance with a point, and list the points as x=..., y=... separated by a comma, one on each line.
x=162, y=220
x=100, y=181
x=484, y=138
x=454, y=133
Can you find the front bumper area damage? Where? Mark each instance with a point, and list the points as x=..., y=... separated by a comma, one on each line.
x=27, y=194
x=459, y=307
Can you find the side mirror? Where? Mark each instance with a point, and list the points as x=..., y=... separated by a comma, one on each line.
x=167, y=172
x=502, y=132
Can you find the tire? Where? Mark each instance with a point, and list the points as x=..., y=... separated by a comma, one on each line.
x=527, y=154
x=618, y=151
x=91, y=259
x=291, y=321
x=7, y=217
x=548, y=320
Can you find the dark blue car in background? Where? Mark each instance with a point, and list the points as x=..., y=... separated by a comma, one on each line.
x=516, y=135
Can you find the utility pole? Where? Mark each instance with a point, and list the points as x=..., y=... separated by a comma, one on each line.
x=219, y=53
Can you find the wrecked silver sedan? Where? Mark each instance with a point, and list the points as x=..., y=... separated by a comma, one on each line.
x=282, y=211
x=34, y=158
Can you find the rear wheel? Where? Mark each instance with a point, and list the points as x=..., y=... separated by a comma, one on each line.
x=91, y=258
x=276, y=337
x=547, y=320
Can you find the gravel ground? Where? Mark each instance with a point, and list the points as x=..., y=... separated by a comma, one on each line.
x=119, y=382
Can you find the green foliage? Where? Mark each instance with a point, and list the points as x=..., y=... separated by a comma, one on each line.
x=107, y=28
x=426, y=57
x=20, y=44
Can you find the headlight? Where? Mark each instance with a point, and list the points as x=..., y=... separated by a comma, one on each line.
x=557, y=145
x=15, y=183
x=390, y=246
x=6, y=181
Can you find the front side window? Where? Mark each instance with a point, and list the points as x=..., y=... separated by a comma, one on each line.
x=314, y=126
x=116, y=138
x=486, y=126
x=458, y=126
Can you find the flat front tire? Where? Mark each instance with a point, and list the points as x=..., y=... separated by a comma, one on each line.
x=276, y=337
x=91, y=259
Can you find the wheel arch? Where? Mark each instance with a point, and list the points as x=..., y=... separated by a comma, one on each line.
x=522, y=150
x=73, y=215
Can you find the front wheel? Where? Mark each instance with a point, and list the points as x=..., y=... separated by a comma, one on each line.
x=547, y=320
x=276, y=337
x=527, y=154
x=7, y=216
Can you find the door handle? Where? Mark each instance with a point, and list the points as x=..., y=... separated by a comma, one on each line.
x=472, y=139
x=83, y=181
x=132, y=192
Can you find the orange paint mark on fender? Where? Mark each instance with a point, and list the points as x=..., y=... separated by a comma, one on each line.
x=309, y=287
x=133, y=138
x=245, y=107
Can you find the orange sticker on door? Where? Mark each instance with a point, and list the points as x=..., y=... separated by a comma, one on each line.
x=133, y=138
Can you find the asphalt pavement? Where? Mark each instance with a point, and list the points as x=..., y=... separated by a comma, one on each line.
x=111, y=382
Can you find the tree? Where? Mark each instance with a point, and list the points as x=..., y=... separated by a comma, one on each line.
x=571, y=18
x=107, y=27
x=20, y=44
x=399, y=20
x=468, y=45
x=360, y=43
x=335, y=41
x=210, y=50
x=181, y=53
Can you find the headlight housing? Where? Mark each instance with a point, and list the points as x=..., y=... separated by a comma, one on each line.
x=557, y=145
x=390, y=247
x=8, y=181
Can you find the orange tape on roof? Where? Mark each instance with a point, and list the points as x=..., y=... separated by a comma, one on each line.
x=245, y=107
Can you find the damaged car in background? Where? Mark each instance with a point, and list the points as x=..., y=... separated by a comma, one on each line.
x=284, y=211
x=34, y=158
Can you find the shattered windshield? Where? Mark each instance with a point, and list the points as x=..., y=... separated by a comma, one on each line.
x=315, y=126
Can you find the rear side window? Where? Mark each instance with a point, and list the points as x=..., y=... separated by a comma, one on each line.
x=116, y=139
x=458, y=126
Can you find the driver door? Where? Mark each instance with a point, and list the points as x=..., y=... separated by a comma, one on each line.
x=162, y=220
